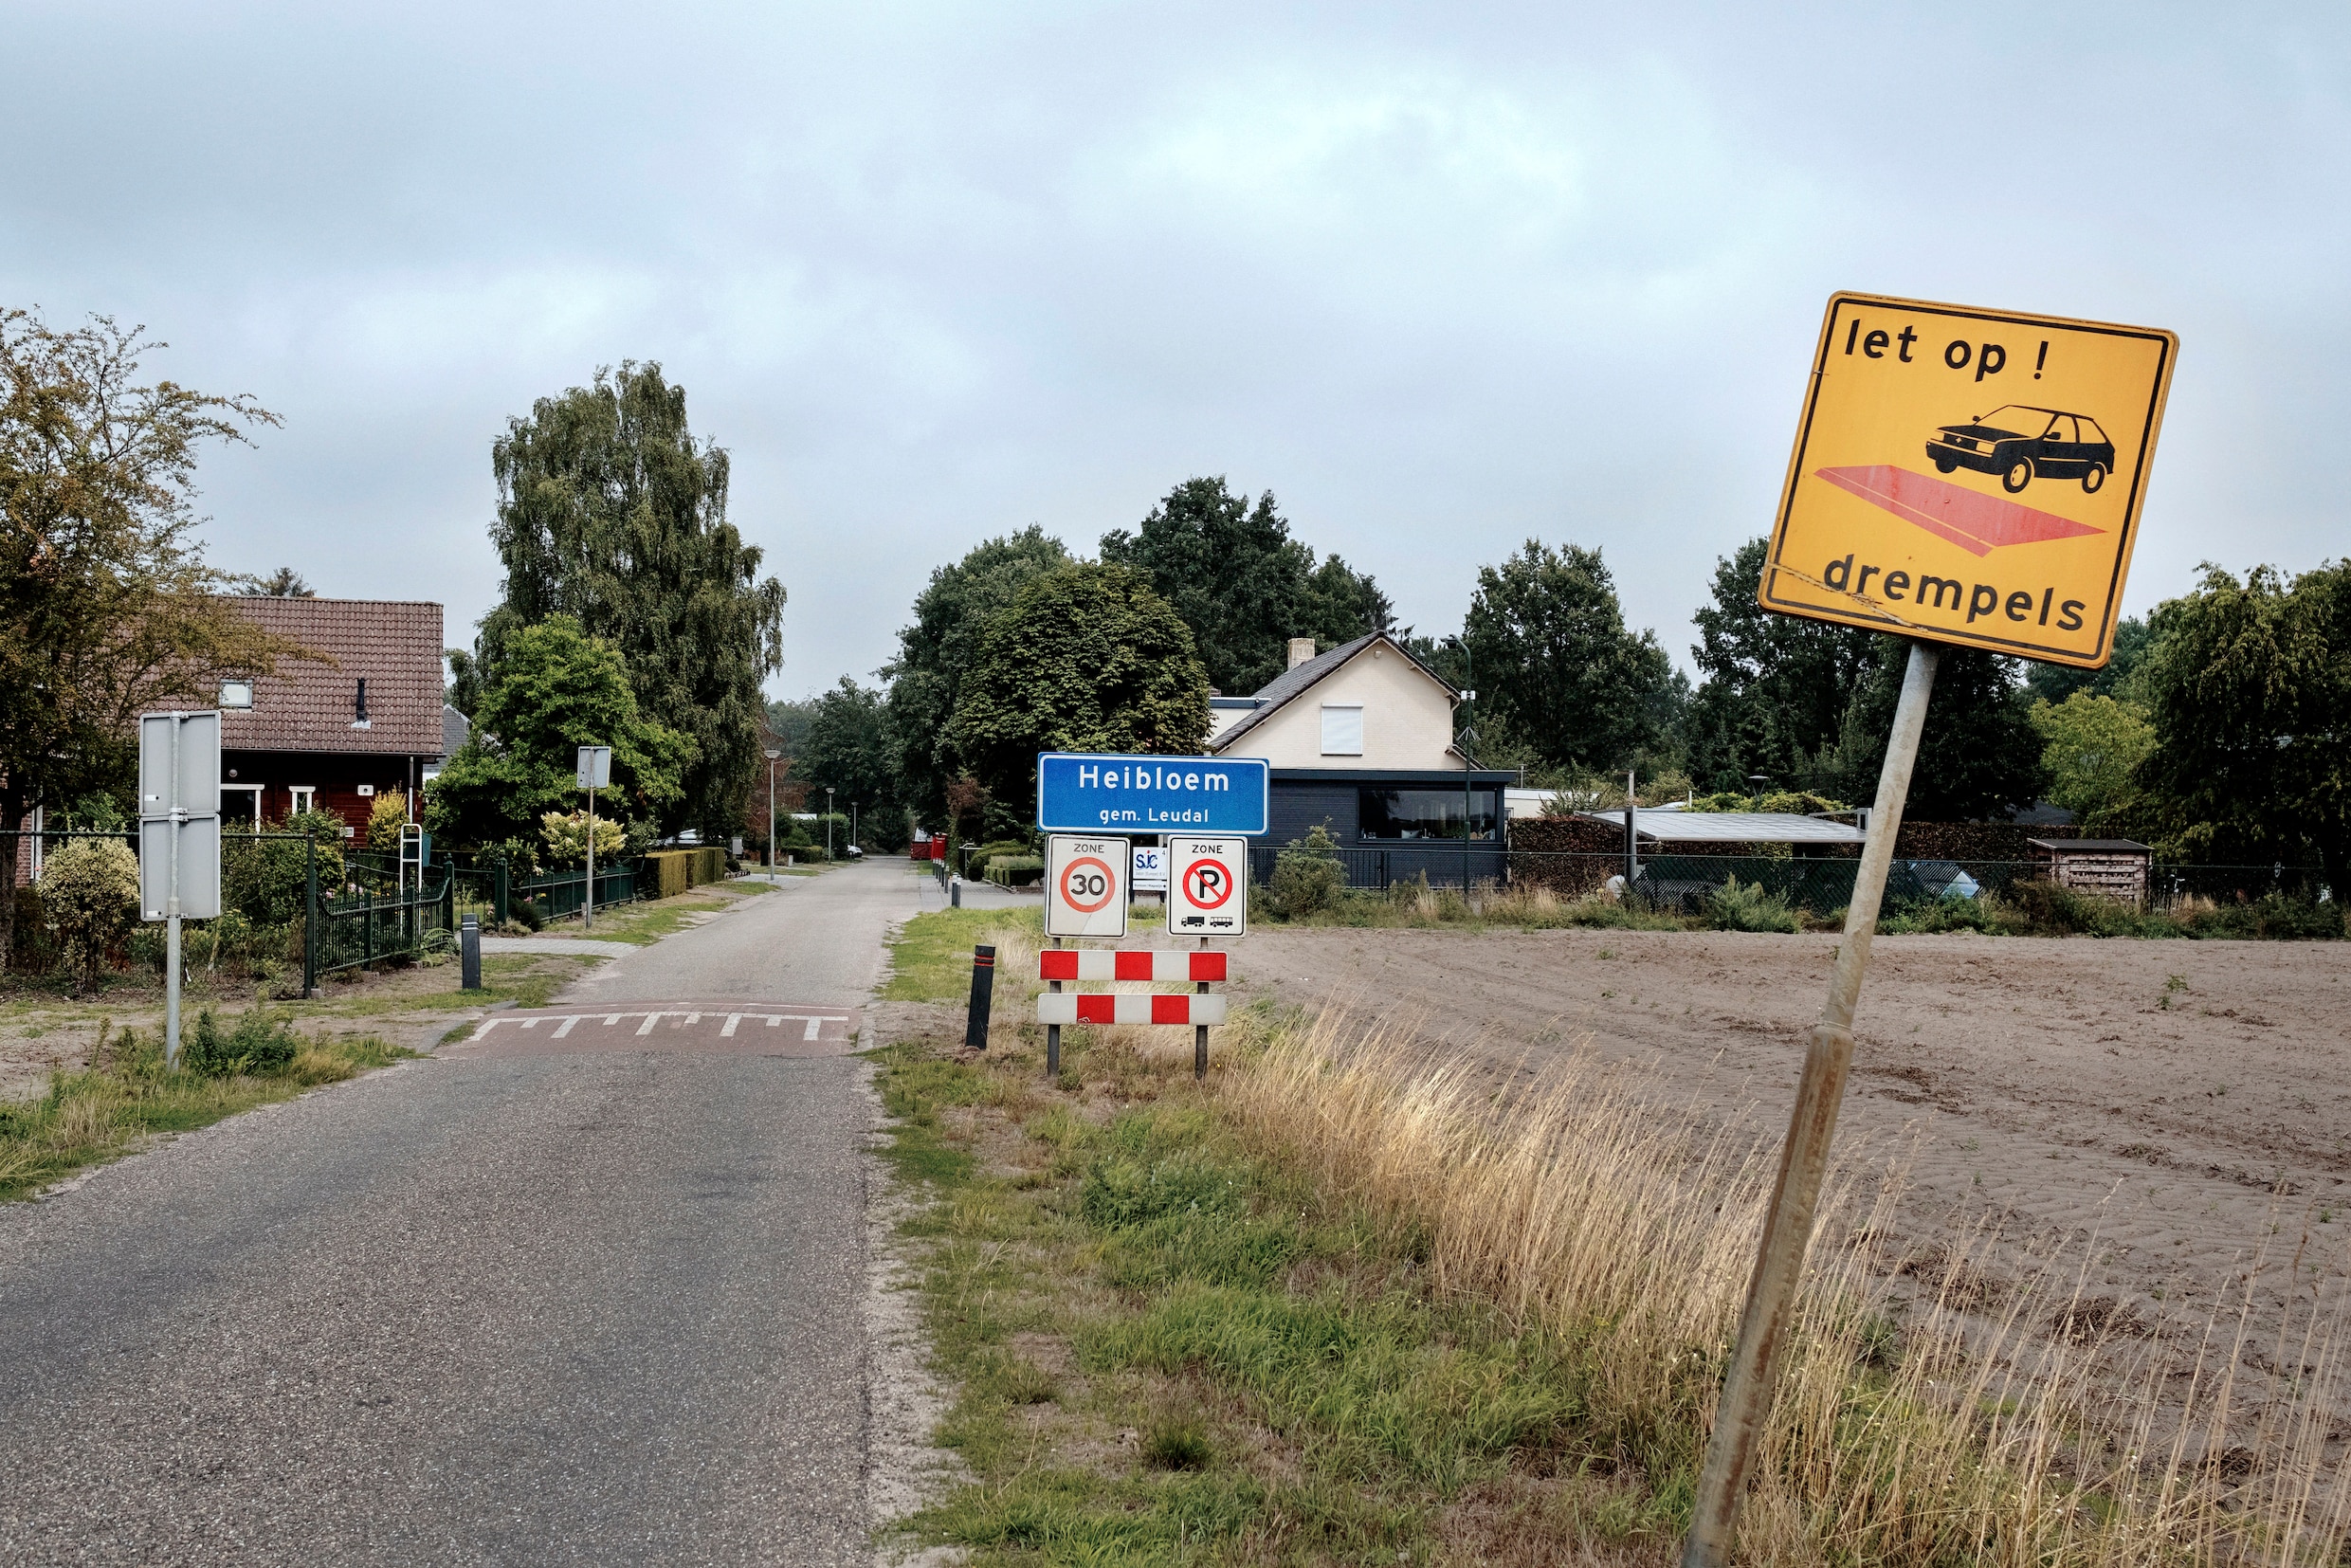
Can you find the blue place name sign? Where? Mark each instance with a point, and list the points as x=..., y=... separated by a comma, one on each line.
x=1082, y=793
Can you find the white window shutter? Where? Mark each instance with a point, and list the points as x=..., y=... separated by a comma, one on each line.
x=1342, y=729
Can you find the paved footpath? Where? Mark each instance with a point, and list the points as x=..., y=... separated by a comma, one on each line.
x=512, y=1306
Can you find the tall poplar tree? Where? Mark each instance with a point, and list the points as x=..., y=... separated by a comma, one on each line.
x=609, y=511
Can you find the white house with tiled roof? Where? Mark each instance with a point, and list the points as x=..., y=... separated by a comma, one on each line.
x=1360, y=739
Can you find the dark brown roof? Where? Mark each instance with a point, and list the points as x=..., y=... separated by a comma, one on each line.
x=393, y=644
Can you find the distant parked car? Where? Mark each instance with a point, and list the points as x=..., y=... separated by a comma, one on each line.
x=2021, y=444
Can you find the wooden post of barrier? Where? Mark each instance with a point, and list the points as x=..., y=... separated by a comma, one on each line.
x=1052, y=1036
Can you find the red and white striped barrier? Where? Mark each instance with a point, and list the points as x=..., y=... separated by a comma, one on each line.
x=1069, y=1006
x=1157, y=963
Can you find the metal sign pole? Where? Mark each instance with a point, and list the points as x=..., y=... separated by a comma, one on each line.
x=588, y=921
x=170, y=916
x=1788, y=1227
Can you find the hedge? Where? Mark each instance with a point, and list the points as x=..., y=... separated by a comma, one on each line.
x=675, y=871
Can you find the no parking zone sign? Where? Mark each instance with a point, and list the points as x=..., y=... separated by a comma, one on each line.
x=1208, y=886
x=1085, y=885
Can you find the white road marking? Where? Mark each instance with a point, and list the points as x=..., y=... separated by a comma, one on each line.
x=611, y=1018
x=530, y=1023
x=650, y=1020
x=814, y=1024
x=732, y=1019
x=566, y=1026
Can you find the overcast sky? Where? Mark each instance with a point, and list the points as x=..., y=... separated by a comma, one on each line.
x=1442, y=278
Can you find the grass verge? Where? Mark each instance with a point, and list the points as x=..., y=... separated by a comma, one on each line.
x=931, y=960
x=112, y=1108
x=1346, y=1306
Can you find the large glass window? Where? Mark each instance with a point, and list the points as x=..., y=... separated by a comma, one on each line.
x=1426, y=813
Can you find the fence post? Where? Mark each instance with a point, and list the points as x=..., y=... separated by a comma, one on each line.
x=310, y=916
x=367, y=929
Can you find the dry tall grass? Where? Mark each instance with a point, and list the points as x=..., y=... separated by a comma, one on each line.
x=2048, y=1434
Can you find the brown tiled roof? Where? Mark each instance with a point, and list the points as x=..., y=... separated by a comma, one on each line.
x=393, y=644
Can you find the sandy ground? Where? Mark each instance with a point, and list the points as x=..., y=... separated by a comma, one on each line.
x=2157, y=1108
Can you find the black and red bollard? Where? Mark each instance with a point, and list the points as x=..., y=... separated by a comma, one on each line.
x=983, y=993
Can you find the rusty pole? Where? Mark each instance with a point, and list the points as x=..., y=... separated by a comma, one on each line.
x=1788, y=1227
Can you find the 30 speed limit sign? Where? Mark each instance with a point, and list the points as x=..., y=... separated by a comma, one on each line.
x=1208, y=886
x=1085, y=885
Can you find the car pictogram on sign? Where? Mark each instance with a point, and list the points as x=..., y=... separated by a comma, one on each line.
x=2019, y=444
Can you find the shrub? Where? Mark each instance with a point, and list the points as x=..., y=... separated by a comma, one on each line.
x=266, y=880
x=1952, y=912
x=528, y=913
x=2273, y=917
x=1307, y=876
x=2053, y=906
x=259, y=1044
x=89, y=894
x=385, y=820
x=1015, y=871
x=565, y=833
x=1748, y=906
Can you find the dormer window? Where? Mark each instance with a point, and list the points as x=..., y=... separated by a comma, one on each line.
x=236, y=694
x=358, y=707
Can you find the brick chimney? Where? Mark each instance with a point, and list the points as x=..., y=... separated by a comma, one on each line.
x=1301, y=650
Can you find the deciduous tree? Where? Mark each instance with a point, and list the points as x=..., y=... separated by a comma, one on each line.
x=847, y=750
x=557, y=691
x=936, y=652
x=2091, y=746
x=1554, y=663
x=611, y=513
x=2249, y=685
x=1242, y=584
x=1773, y=689
x=107, y=606
x=1086, y=659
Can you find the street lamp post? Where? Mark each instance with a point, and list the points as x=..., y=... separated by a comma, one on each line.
x=1468, y=764
x=827, y=825
x=772, y=755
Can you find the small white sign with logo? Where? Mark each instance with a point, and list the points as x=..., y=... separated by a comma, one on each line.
x=1208, y=886
x=1150, y=868
x=1085, y=885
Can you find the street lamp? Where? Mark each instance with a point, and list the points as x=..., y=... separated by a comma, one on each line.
x=827, y=825
x=1469, y=738
x=772, y=755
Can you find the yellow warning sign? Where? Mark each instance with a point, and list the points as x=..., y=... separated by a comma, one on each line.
x=1970, y=476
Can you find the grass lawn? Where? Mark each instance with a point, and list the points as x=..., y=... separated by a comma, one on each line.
x=91, y=1117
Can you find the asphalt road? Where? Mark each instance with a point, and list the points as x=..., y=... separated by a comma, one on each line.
x=581, y=1308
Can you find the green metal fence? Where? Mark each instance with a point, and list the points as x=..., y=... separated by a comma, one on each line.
x=1823, y=884
x=361, y=927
